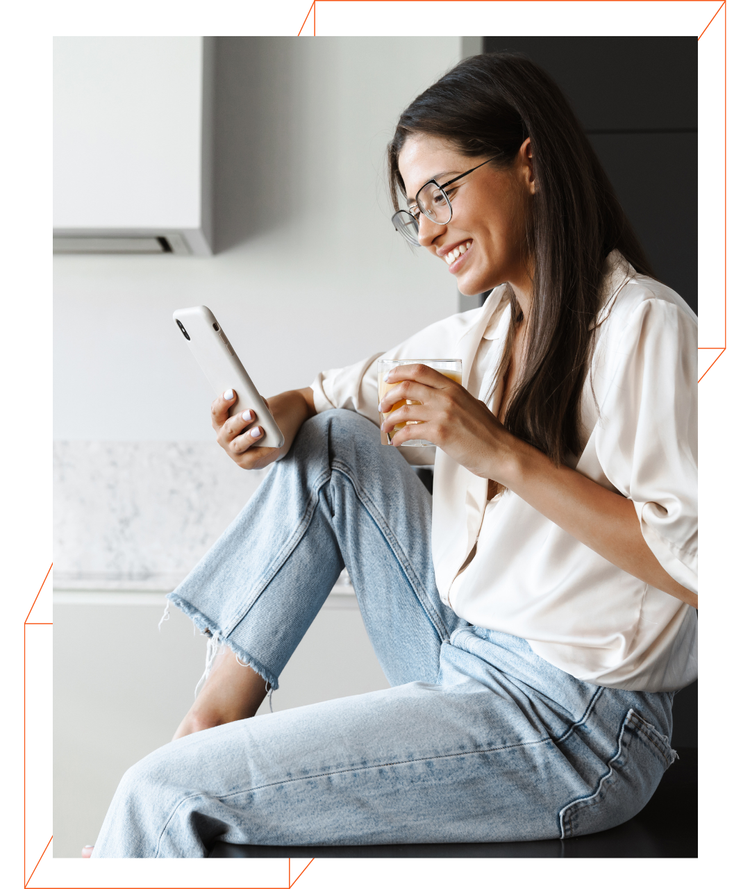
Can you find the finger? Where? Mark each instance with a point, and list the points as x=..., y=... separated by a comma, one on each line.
x=234, y=427
x=415, y=412
x=408, y=390
x=409, y=416
x=248, y=439
x=422, y=373
x=419, y=430
x=239, y=423
x=220, y=408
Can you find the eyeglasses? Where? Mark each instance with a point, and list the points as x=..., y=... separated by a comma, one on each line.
x=432, y=200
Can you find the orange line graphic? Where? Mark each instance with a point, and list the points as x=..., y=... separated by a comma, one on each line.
x=714, y=16
x=312, y=7
x=300, y=873
x=724, y=347
x=26, y=883
x=25, y=624
x=38, y=594
x=712, y=363
x=508, y=1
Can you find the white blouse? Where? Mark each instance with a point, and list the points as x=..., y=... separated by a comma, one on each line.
x=527, y=576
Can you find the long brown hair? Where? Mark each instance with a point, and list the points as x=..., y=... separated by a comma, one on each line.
x=489, y=105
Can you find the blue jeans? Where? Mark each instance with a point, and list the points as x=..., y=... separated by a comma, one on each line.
x=477, y=740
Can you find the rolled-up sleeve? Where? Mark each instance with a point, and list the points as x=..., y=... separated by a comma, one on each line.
x=353, y=388
x=646, y=437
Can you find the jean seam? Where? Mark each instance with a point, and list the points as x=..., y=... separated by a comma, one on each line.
x=471, y=648
x=293, y=541
x=565, y=817
x=403, y=561
x=595, y=697
x=634, y=723
x=381, y=765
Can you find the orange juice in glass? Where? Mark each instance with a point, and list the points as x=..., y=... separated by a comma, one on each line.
x=449, y=367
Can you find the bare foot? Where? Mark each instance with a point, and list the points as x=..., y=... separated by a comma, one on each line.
x=86, y=851
x=232, y=691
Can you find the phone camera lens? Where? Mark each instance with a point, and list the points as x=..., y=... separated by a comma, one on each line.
x=184, y=332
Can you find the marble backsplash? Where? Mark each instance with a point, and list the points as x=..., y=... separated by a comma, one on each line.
x=139, y=515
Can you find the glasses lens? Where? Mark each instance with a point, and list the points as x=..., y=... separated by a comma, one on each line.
x=405, y=223
x=433, y=202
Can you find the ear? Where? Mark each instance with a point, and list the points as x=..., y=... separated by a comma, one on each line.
x=525, y=161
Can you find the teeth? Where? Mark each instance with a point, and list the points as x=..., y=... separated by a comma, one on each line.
x=451, y=257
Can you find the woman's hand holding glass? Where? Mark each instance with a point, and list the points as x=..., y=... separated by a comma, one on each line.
x=444, y=413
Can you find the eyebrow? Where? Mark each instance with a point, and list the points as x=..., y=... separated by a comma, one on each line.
x=410, y=200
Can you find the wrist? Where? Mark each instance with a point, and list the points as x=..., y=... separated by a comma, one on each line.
x=512, y=461
x=295, y=402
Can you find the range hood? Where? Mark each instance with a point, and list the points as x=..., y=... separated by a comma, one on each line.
x=132, y=145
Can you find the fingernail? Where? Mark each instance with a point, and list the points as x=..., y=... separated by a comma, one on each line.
x=387, y=377
x=88, y=847
x=255, y=432
x=229, y=395
x=246, y=415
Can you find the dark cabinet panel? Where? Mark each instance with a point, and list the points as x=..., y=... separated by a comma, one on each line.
x=656, y=179
x=637, y=98
x=619, y=82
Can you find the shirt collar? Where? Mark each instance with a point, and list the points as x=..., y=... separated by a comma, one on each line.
x=617, y=273
x=491, y=319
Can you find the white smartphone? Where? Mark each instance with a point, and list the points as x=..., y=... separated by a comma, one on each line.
x=214, y=353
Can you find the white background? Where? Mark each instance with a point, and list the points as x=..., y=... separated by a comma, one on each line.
x=26, y=380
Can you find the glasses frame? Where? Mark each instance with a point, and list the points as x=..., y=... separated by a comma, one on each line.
x=409, y=227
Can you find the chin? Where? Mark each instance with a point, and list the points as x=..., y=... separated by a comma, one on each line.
x=475, y=281
x=469, y=289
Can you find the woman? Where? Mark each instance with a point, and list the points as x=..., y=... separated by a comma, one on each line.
x=537, y=617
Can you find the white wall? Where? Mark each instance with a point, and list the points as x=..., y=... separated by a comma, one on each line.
x=309, y=272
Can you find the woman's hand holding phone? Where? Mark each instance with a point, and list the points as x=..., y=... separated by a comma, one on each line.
x=238, y=435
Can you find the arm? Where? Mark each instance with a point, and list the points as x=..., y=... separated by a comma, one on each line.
x=468, y=431
x=238, y=435
x=604, y=520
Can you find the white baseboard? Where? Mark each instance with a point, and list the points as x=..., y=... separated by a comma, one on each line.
x=341, y=597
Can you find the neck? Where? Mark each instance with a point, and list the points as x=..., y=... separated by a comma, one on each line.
x=523, y=286
x=523, y=301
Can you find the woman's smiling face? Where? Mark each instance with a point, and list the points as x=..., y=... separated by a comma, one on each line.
x=489, y=207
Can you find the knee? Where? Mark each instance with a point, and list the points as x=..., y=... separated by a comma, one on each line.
x=137, y=784
x=157, y=781
x=128, y=831
x=338, y=426
x=339, y=418
x=146, y=795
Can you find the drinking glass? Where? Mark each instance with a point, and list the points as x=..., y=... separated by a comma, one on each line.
x=449, y=367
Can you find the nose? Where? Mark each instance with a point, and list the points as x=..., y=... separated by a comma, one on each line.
x=429, y=230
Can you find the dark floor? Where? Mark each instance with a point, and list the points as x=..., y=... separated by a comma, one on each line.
x=666, y=828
